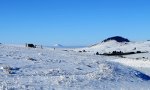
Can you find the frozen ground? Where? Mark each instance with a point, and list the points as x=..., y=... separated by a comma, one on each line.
x=47, y=69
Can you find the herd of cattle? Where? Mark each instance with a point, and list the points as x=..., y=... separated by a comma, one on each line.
x=33, y=46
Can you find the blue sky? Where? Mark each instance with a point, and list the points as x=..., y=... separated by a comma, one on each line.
x=73, y=22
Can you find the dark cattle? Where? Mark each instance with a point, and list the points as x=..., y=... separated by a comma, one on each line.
x=97, y=53
x=84, y=51
x=134, y=49
x=80, y=51
x=138, y=52
x=31, y=45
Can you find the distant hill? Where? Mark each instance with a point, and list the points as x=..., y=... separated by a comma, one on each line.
x=113, y=40
x=57, y=45
x=117, y=38
x=118, y=43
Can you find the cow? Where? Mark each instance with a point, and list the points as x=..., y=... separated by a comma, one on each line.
x=31, y=45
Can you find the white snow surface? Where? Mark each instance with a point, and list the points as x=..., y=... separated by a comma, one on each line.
x=24, y=68
x=112, y=45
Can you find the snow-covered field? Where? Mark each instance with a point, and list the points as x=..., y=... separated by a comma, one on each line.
x=24, y=68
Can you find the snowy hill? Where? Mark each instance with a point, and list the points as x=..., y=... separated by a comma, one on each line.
x=58, y=45
x=124, y=46
x=49, y=69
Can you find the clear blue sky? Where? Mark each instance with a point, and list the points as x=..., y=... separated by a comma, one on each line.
x=73, y=22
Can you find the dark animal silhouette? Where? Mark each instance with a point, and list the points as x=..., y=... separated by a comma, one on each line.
x=97, y=53
x=31, y=45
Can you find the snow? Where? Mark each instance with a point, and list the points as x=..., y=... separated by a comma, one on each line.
x=23, y=68
x=106, y=47
x=142, y=65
